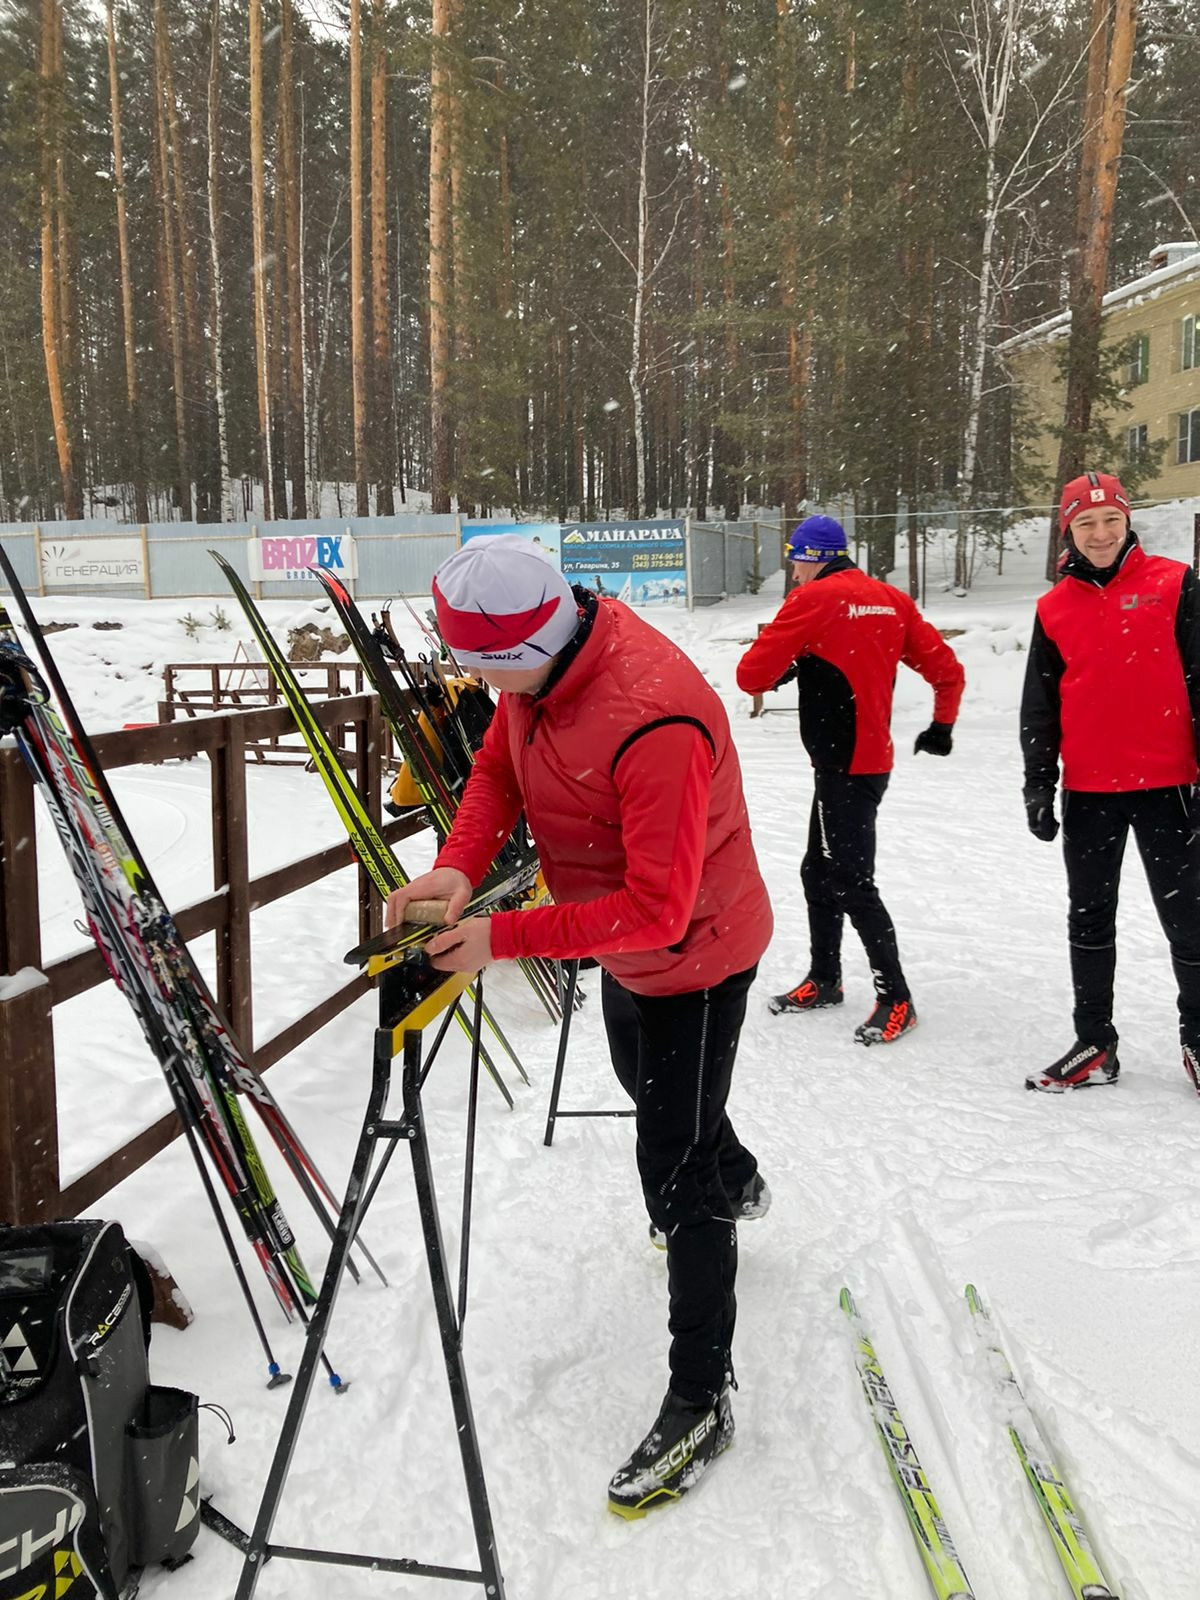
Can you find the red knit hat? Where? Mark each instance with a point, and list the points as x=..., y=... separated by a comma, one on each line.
x=1091, y=490
x=502, y=605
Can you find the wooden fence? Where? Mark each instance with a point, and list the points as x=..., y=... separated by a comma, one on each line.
x=30, y=1186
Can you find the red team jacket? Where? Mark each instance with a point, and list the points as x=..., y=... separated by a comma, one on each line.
x=1107, y=682
x=846, y=633
x=631, y=785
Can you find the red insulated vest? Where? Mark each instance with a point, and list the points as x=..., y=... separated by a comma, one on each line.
x=565, y=757
x=1125, y=717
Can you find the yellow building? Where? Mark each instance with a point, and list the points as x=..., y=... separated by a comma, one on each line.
x=1156, y=320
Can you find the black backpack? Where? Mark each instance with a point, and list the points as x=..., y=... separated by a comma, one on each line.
x=99, y=1471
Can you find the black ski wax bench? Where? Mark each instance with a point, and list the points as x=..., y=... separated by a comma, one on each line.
x=412, y=994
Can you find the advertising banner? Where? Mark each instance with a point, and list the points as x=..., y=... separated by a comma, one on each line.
x=66, y=562
x=642, y=563
x=276, y=559
x=544, y=536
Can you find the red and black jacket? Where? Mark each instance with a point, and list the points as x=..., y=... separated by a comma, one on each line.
x=845, y=634
x=1112, y=685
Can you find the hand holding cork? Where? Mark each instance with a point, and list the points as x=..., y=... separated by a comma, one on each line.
x=439, y=897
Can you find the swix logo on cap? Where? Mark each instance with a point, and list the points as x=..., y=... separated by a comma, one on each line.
x=1097, y=495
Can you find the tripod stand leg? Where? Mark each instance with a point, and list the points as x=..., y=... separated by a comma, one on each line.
x=448, y=1324
x=314, y=1343
x=564, y=1034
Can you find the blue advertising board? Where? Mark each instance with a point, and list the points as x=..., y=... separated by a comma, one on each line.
x=642, y=563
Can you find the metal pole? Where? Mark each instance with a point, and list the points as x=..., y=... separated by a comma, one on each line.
x=564, y=1035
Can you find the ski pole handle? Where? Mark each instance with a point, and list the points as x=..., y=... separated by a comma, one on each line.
x=428, y=912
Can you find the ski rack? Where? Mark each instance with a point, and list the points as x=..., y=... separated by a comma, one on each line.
x=411, y=995
x=553, y=1114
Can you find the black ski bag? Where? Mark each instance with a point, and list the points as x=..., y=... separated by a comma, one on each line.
x=99, y=1470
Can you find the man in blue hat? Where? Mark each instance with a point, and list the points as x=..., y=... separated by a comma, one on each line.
x=841, y=635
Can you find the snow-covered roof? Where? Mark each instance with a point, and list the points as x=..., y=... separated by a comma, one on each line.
x=1147, y=287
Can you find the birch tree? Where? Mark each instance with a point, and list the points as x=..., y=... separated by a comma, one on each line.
x=258, y=227
x=989, y=57
x=358, y=335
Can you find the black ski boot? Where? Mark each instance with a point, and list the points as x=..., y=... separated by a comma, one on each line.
x=889, y=1021
x=674, y=1455
x=810, y=994
x=747, y=1205
x=1085, y=1066
x=1191, y=1062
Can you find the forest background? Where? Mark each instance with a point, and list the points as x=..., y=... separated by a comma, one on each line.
x=628, y=256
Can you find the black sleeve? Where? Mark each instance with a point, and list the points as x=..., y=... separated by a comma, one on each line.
x=1041, y=705
x=1187, y=637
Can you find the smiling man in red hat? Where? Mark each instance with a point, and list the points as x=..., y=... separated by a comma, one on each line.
x=1112, y=690
x=620, y=754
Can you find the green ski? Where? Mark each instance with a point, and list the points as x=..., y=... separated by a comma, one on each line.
x=940, y=1558
x=1071, y=1543
x=368, y=845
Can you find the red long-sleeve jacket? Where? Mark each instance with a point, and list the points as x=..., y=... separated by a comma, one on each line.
x=846, y=633
x=628, y=776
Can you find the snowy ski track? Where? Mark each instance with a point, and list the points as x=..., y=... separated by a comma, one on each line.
x=905, y=1172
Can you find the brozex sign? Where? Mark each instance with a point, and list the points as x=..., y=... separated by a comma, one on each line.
x=274, y=558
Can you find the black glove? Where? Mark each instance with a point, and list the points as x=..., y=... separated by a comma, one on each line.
x=936, y=740
x=790, y=676
x=1039, y=813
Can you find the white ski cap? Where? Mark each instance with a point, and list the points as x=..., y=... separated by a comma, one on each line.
x=500, y=603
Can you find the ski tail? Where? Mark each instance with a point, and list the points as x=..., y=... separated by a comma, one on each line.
x=940, y=1559
x=1063, y=1523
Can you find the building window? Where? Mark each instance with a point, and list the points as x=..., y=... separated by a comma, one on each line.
x=1189, y=436
x=1137, y=369
x=1189, y=354
x=1137, y=441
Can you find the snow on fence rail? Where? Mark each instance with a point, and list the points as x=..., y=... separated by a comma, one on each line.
x=30, y=1185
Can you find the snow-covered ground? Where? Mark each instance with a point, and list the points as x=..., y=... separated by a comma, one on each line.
x=903, y=1172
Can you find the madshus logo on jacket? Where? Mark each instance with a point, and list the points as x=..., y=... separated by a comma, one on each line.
x=870, y=611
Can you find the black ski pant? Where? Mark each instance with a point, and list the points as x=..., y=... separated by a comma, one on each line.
x=673, y=1055
x=1095, y=829
x=838, y=874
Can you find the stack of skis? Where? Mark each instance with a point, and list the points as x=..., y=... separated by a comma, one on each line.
x=437, y=729
x=206, y=1071
x=939, y=1556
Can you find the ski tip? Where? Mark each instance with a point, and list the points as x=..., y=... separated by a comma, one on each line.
x=973, y=1298
x=846, y=1301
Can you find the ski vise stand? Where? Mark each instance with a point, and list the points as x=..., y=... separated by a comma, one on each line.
x=411, y=995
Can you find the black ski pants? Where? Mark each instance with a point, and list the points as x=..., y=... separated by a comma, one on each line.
x=673, y=1055
x=1095, y=828
x=838, y=874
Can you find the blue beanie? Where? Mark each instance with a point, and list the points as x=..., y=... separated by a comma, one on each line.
x=817, y=539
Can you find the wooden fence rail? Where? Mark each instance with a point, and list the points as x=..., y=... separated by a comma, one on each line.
x=30, y=1186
